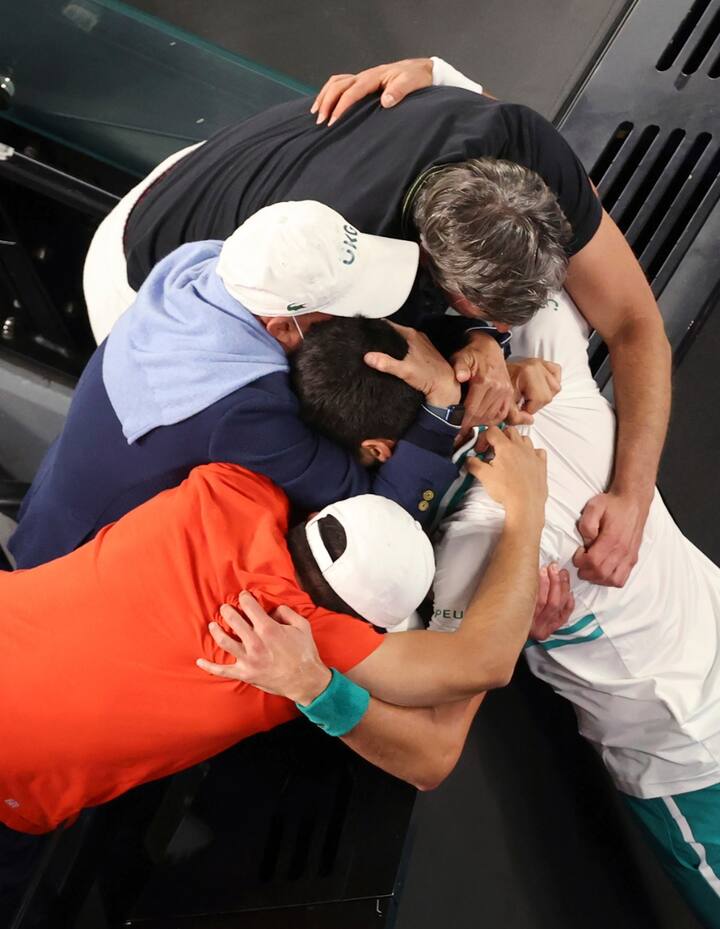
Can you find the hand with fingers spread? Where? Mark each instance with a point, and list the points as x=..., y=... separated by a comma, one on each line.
x=535, y=383
x=555, y=602
x=423, y=368
x=611, y=527
x=396, y=80
x=489, y=398
x=275, y=653
x=517, y=475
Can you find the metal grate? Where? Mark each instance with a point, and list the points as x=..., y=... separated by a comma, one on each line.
x=646, y=124
x=629, y=166
x=654, y=174
x=704, y=43
x=687, y=186
x=610, y=152
x=714, y=71
x=653, y=184
x=685, y=31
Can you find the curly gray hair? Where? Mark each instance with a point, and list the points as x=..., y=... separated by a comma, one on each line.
x=495, y=233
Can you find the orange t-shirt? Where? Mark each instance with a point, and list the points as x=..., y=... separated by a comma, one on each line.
x=98, y=684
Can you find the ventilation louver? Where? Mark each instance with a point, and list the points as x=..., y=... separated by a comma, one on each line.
x=692, y=42
x=658, y=186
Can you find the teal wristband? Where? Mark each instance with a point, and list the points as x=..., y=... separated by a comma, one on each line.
x=339, y=708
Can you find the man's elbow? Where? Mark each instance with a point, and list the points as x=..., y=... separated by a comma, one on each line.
x=502, y=674
x=436, y=768
x=491, y=674
x=640, y=329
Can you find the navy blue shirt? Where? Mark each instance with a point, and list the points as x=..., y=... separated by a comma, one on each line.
x=91, y=476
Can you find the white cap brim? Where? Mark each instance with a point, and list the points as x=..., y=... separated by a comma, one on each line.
x=299, y=257
x=383, y=281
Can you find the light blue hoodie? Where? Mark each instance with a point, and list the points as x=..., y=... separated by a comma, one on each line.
x=183, y=344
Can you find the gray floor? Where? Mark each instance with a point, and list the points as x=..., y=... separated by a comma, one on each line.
x=527, y=833
x=689, y=471
x=528, y=52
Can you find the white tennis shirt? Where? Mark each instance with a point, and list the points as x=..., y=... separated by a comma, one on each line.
x=641, y=664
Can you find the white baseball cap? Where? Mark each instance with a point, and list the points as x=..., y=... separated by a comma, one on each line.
x=303, y=257
x=388, y=565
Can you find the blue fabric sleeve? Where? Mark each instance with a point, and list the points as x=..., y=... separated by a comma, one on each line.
x=263, y=432
x=449, y=333
x=432, y=434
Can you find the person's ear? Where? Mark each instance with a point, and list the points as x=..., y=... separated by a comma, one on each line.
x=283, y=329
x=379, y=450
x=464, y=307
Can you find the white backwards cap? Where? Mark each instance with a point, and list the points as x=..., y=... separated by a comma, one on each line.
x=388, y=565
x=302, y=257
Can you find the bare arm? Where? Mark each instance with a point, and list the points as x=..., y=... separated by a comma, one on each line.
x=396, y=80
x=419, y=745
x=610, y=289
x=418, y=668
x=421, y=668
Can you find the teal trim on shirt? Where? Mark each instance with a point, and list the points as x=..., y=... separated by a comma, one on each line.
x=549, y=644
x=582, y=623
x=576, y=627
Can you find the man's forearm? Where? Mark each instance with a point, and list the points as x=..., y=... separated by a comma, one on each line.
x=641, y=359
x=498, y=619
x=418, y=745
x=430, y=668
x=279, y=655
x=611, y=291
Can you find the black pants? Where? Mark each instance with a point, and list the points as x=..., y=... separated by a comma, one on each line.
x=18, y=854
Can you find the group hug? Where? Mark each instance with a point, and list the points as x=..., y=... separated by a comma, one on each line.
x=340, y=453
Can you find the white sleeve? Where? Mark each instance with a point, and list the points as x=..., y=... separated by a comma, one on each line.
x=466, y=542
x=444, y=75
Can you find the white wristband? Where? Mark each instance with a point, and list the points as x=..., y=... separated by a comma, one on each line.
x=444, y=75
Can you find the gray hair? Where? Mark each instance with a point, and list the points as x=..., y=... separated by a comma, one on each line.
x=495, y=233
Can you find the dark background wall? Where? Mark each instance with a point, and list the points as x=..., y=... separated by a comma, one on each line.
x=529, y=52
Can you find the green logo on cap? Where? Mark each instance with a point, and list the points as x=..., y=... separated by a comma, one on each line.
x=350, y=243
x=292, y=307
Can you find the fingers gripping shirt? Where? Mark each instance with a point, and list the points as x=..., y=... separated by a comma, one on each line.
x=641, y=664
x=102, y=693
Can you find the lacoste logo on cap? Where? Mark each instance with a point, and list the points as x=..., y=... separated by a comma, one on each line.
x=292, y=307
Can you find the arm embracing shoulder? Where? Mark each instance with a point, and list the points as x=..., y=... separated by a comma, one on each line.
x=264, y=433
x=429, y=668
x=420, y=745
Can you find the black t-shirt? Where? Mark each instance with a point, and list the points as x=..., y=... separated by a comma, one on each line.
x=363, y=167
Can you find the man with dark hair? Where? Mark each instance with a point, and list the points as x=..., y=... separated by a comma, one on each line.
x=343, y=398
x=499, y=203
x=344, y=393
x=197, y=370
x=129, y=618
